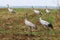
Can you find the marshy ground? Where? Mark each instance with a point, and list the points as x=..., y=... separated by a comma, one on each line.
x=12, y=26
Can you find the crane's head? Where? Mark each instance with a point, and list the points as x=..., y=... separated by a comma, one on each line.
x=8, y=5
x=32, y=7
x=25, y=16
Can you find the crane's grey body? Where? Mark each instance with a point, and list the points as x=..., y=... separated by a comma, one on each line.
x=47, y=11
x=30, y=24
x=37, y=11
x=45, y=23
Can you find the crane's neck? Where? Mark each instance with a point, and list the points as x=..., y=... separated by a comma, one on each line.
x=40, y=18
x=25, y=16
x=32, y=7
x=8, y=6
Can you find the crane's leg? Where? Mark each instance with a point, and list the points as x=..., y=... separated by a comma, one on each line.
x=31, y=30
x=44, y=27
x=48, y=28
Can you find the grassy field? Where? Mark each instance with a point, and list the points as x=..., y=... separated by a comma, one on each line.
x=12, y=27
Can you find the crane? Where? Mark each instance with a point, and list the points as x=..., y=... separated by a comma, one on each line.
x=37, y=11
x=29, y=23
x=45, y=23
x=11, y=11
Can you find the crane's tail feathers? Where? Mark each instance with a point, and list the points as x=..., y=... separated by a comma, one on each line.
x=50, y=25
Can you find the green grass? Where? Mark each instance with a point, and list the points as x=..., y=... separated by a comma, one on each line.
x=14, y=24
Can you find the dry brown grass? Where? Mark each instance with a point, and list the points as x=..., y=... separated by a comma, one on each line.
x=12, y=27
